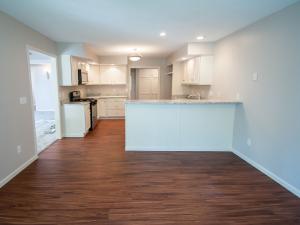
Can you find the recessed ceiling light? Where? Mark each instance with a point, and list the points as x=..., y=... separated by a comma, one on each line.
x=200, y=37
x=163, y=34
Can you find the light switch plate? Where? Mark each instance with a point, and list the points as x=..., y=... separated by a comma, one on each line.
x=249, y=142
x=23, y=100
x=254, y=76
x=19, y=149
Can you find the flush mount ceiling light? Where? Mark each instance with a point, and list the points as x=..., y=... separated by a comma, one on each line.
x=163, y=34
x=135, y=56
x=200, y=38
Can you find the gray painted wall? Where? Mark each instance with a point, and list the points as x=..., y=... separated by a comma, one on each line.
x=15, y=119
x=270, y=115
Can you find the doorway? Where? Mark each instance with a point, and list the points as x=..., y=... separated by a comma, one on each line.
x=145, y=83
x=44, y=85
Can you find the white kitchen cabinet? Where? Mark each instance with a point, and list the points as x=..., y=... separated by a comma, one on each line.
x=111, y=107
x=101, y=112
x=94, y=74
x=198, y=71
x=188, y=71
x=76, y=119
x=113, y=74
x=69, y=67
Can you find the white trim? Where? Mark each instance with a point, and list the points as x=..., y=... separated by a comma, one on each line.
x=174, y=149
x=17, y=171
x=270, y=174
x=57, y=110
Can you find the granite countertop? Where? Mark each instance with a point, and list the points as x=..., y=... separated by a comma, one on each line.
x=184, y=101
x=108, y=96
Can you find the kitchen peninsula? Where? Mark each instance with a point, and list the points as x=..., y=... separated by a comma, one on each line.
x=179, y=125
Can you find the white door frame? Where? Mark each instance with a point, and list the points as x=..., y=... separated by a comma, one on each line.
x=143, y=67
x=54, y=71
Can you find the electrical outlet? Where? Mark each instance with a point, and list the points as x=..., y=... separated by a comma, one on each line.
x=249, y=142
x=19, y=149
x=255, y=76
x=23, y=100
x=211, y=93
x=238, y=97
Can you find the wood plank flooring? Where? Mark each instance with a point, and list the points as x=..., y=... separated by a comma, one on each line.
x=93, y=181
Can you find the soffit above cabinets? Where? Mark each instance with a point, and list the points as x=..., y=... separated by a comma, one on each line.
x=192, y=50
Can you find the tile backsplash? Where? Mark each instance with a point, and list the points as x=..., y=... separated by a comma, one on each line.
x=65, y=90
x=119, y=90
x=202, y=91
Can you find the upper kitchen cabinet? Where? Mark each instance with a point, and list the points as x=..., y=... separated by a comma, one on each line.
x=113, y=74
x=69, y=70
x=94, y=74
x=198, y=71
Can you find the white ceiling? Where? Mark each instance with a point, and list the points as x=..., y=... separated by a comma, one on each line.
x=114, y=27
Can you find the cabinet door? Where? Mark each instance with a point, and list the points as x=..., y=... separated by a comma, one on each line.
x=94, y=74
x=190, y=70
x=101, y=108
x=119, y=76
x=74, y=73
x=105, y=74
x=115, y=113
x=196, y=70
x=69, y=67
x=206, y=70
x=114, y=107
x=185, y=74
x=110, y=74
x=188, y=73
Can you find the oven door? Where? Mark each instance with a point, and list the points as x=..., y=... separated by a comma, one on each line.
x=94, y=118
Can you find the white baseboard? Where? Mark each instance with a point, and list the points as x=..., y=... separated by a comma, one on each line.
x=273, y=176
x=173, y=149
x=17, y=171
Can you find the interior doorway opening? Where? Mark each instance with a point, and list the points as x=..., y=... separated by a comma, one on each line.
x=45, y=101
x=145, y=83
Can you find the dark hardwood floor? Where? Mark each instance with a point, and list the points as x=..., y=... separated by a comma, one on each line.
x=93, y=181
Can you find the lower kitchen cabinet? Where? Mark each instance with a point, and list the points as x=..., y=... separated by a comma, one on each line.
x=76, y=119
x=111, y=107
